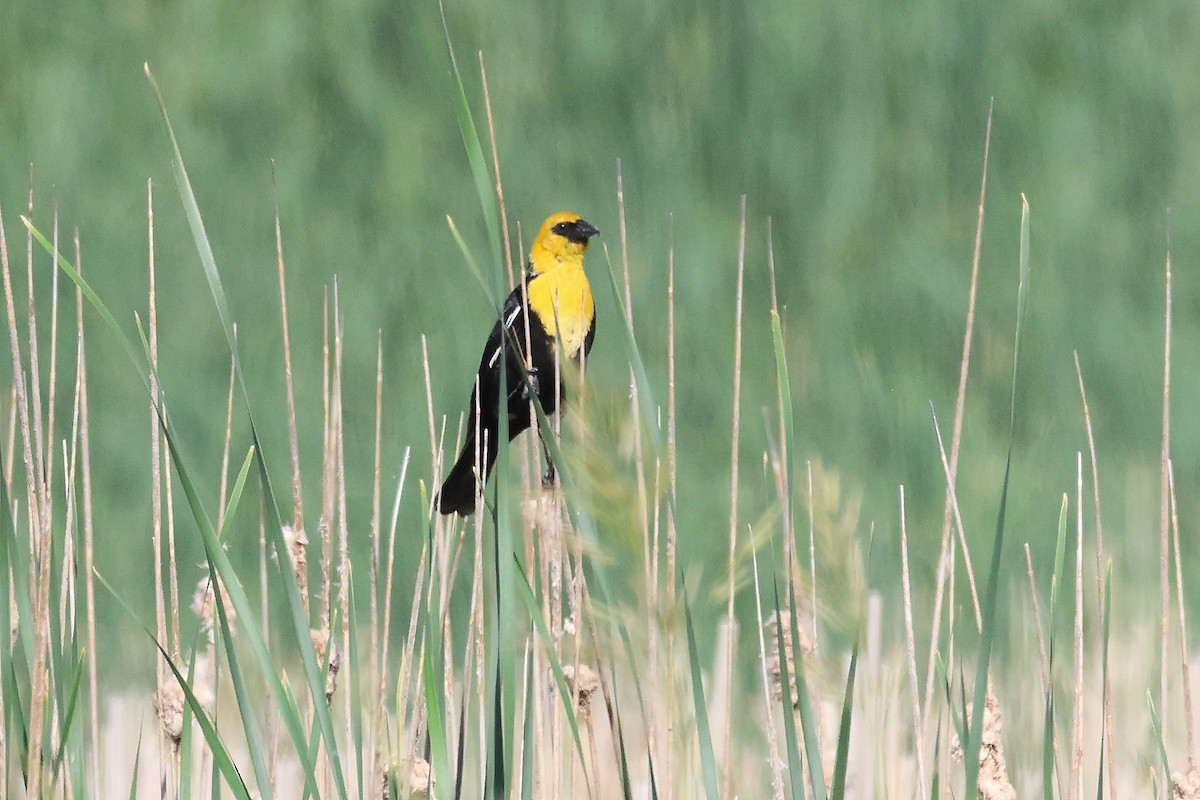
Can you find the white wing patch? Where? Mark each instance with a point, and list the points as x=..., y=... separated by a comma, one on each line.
x=508, y=321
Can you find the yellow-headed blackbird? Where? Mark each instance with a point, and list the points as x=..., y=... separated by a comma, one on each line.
x=562, y=318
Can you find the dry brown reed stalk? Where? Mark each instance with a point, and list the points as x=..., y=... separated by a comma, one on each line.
x=491, y=127
x=1164, y=496
x=40, y=444
x=168, y=697
x=1185, y=668
x=910, y=642
x=639, y=461
x=326, y=521
x=382, y=732
x=945, y=565
x=324, y=647
x=375, y=680
x=293, y=436
x=51, y=381
x=37, y=549
x=672, y=441
x=1043, y=656
x=343, y=531
x=1036, y=607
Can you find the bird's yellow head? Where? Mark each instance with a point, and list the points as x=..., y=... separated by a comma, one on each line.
x=562, y=239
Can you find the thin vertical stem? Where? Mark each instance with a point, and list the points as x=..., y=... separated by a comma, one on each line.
x=1164, y=499
x=735, y=441
x=945, y=565
x=911, y=651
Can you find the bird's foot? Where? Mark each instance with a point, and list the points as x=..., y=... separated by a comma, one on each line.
x=532, y=387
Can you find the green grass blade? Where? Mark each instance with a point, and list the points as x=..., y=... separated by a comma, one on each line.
x=501, y=623
x=1060, y=562
x=137, y=763
x=1056, y=581
x=841, y=762
x=476, y=159
x=989, y=600
x=1156, y=731
x=784, y=387
x=254, y=742
x=790, y=738
x=623, y=760
x=69, y=716
x=435, y=725
x=935, y=784
x=840, y=765
x=299, y=621
x=525, y=590
x=708, y=762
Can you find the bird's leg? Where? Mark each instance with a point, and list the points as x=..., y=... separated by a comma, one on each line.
x=550, y=476
x=531, y=388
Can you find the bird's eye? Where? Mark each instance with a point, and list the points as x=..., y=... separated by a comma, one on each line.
x=560, y=228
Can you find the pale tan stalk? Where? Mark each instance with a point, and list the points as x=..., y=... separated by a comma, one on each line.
x=326, y=522
x=1101, y=560
x=1164, y=500
x=51, y=382
x=343, y=532
x=672, y=531
x=11, y=438
x=375, y=670
x=89, y=550
x=1043, y=658
x=773, y=753
x=419, y=592
x=156, y=442
x=386, y=628
x=910, y=641
x=293, y=436
x=735, y=442
x=812, y=552
x=435, y=449
x=962, y=539
x=638, y=460
x=491, y=126
x=41, y=622
x=1077, y=710
x=35, y=380
x=946, y=565
x=1185, y=669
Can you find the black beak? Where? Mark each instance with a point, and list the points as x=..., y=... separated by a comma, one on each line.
x=585, y=230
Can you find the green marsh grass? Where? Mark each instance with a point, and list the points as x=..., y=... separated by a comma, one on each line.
x=552, y=646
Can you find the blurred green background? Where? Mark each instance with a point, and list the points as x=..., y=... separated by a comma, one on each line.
x=856, y=128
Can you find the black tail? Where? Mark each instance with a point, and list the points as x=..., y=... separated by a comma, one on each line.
x=457, y=495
